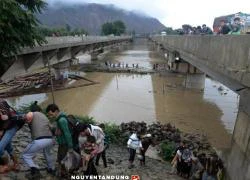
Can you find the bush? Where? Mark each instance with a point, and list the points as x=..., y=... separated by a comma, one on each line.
x=113, y=131
x=86, y=119
x=25, y=108
x=167, y=150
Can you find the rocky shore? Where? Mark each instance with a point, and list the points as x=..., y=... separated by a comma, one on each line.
x=169, y=133
x=117, y=155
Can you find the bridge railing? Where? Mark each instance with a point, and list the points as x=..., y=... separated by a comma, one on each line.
x=76, y=39
x=227, y=55
x=67, y=41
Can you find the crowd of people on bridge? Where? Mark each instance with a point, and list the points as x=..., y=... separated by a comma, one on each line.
x=189, y=30
x=233, y=28
x=224, y=28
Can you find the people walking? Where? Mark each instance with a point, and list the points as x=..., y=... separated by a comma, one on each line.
x=96, y=131
x=10, y=123
x=134, y=143
x=63, y=135
x=42, y=140
x=106, y=145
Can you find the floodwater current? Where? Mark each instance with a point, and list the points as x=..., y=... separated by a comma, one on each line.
x=150, y=98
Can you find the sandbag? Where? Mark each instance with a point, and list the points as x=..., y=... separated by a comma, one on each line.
x=71, y=161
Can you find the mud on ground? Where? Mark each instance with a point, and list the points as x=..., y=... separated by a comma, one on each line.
x=153, y=170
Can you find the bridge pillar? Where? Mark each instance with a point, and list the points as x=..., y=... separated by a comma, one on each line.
x=238, y=159
x=115, y=48
x=94, y=56
x=17, y=68
x=195, y=81
x=74, y=61
x=171, y=60
x=191, y=69
x=61, y=70
x=158, y=48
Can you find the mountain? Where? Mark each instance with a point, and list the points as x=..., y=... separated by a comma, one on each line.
x=91, y=17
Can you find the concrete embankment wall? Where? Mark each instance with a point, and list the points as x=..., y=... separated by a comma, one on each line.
x=238, y=160
x=227, y=59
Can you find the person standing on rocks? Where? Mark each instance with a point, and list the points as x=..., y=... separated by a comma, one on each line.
x=42, y=140
x=63, y=134
x=134, y=143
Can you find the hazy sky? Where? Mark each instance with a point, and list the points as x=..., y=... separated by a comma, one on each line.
x=174, y=13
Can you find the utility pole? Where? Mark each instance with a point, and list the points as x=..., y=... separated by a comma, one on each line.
x=51, y=81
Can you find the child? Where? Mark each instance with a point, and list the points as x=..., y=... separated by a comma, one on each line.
x=90, y=149
x=134, y=143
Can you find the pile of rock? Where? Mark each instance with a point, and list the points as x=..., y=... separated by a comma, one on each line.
x=162, y=132
x=167, y=132
x=134, y=126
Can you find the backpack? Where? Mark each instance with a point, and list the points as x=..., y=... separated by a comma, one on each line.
x=15, y=119
x=186, y=155
x=72, y=123
x=5, y=108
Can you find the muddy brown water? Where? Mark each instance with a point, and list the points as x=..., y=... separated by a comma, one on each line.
x=156, y=97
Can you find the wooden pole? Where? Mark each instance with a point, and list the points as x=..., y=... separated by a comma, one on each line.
x=51, y=81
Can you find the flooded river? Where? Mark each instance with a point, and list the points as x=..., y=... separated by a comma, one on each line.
x=157, y=97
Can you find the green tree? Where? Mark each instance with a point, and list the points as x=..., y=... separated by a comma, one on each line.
x=119, y=27
x=116, y=28
x=107, y=28
x=78, y=32
x=68, y=27
x=170, y=31
x=18, y=26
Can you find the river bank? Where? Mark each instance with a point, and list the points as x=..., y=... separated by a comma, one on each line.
x=117, y=158
x=117, y=154
x=117, y=165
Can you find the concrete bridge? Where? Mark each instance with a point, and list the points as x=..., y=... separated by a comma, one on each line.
x=226, y=59
x=59, y=50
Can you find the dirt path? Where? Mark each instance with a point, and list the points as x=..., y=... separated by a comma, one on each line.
x=154, y=169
